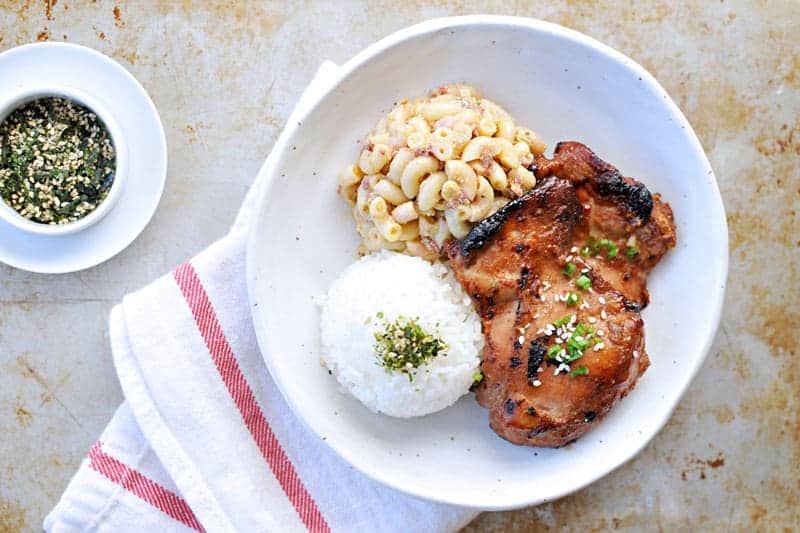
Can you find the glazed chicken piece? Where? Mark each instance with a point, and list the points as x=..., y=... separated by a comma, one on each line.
x=618, y=209
x=561, y=352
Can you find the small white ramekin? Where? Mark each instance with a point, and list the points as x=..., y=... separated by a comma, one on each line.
x=29, y=94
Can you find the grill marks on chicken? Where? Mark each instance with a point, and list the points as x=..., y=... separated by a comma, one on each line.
x=512, y=265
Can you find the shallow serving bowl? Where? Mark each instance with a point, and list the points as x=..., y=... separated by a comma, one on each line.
x=564, y=86
x=32, y=93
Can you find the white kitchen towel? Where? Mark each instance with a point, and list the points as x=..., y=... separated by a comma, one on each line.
x=204, y=440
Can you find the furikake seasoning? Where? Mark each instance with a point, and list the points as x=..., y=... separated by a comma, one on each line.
x=57, y=161
x=404, y=345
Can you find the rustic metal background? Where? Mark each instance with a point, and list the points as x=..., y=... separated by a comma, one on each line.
x=224, y=77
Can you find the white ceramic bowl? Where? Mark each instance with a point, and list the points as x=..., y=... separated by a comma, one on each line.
x=29, y=94
x=565, y=86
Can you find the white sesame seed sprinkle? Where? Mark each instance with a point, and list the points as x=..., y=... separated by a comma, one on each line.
x=602, y=300
x=600, y=333
x=603, y=314
x=521, y=339
x=599, y=346
x=537, y=383
x=574, y=250
x=591, y=320
x=635, y=354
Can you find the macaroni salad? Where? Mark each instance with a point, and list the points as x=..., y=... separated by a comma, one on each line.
x=434, y=167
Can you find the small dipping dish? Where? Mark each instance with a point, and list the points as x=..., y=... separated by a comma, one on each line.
x=107, y=120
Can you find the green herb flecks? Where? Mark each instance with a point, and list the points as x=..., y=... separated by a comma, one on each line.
x=579, y=370
x=583, y=282
x=631, y=252
x=569, y=269
x=610, y=247
x=581, y=337
x=594, y=246
x=477, y=377
x=404, y=345
x=57, y=161
x=573, y=299
x=563, y=321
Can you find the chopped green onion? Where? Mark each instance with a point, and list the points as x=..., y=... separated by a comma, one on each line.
x=579, y=370
x=569, y=269
x=477, y=377
x=631, y=252
x=553, y=350
x=583, y=282
x=592, y=247
x=573, y=299
x=379, y=314
x=563, y=321
x=611, y=248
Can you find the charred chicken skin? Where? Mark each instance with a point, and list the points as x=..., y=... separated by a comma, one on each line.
x=560, y=308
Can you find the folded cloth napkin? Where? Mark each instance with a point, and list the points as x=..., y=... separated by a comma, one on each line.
x=204, y=440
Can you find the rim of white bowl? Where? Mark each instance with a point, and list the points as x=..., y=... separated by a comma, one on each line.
x=271, y=165
x=37, y=92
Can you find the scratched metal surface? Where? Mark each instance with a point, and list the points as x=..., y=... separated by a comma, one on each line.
x=224, y=79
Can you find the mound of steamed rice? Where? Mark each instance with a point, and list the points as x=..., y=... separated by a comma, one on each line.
x=399, y=285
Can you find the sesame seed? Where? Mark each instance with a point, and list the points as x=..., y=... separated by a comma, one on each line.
x=603, y=314
x=602, y=300
x=600, y=333
x=537, y=383
x=521, y=339
x=635, y=354
x=584, y=270
x=574, y=250
x=599, y=346
x=591, y=320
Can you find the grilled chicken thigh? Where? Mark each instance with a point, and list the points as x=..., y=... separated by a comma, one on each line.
x=564, y=337
x=619, y=209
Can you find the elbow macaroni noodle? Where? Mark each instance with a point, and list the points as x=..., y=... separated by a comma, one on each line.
x=434, y=167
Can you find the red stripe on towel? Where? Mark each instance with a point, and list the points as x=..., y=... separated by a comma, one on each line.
x=243, y=397
x=143, y=487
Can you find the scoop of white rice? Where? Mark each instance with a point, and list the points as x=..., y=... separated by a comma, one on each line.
x=398, y=285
